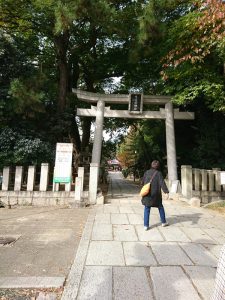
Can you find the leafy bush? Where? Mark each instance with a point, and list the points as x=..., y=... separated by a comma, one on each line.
x=18, y=149
x=125, y=173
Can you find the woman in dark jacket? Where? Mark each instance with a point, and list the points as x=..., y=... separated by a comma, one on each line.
x=154, y=198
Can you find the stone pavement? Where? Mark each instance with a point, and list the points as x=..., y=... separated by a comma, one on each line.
x=44, y=246
x=117, y=259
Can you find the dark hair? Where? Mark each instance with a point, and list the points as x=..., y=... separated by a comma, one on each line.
x=155, y=164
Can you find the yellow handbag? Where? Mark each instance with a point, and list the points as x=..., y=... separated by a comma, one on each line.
x=145, y=190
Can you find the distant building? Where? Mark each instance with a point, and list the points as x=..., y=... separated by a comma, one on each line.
x=114, y=165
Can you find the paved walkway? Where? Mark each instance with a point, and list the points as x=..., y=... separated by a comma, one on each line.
x=117, y=259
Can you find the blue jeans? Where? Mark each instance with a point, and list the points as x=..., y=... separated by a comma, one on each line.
x=147, y=213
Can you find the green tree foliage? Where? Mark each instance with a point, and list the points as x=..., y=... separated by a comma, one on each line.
x=204, y=26
x=159, y=47
x=56, y=27
x=190, y=66
x=143, y=143
x=19, y=149
x=26, y=97
x=194, y=64
x=188, y=37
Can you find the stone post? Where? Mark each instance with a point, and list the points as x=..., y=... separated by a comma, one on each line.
x=216, y=171
x=78, y=190
x=68, y=187
x=18, y=178
x=44, y=177
x=211, y=180
x=31, y=178
x=78, y=196
x=81, y=175
x=186, y=181
x=204, y=180
x=5, y=178
x=55, y=185
x=170, y=144
x=93, y=182
x=197, y=179
x=97, y=146
x=222, y=181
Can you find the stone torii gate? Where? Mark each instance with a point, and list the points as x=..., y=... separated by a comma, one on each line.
x=135, y=111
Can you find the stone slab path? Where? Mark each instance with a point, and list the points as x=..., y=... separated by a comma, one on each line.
x=117, y=259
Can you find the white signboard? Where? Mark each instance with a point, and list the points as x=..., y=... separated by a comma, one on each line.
x=63, y=163
x=222, y=177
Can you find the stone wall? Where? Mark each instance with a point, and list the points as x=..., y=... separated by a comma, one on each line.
x=26, y=186
x=201, y=183
x=36, y=198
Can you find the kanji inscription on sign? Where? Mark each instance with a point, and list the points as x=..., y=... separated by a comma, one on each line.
x=136, y=103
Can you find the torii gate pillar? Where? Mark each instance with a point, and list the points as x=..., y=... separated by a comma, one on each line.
x=170, y=144
x=97, y=146
x=96, y=152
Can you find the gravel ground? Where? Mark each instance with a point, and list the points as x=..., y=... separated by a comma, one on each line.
x=30, y=294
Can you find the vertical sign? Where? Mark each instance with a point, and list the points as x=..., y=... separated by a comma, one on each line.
x=136, y=103
x=63, y=163
x=222, y=178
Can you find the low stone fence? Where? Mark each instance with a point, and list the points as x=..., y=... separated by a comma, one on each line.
x=35, y=186
x=201, y=183
x=36, y=198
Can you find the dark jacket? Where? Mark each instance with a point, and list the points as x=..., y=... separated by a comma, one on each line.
x=154, y=198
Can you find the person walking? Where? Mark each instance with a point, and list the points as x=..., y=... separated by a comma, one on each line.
x=154, y=198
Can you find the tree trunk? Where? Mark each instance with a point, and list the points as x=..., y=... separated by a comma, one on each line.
x=74, y=72
x=73, y=76
x=75, y=139
x=86, y=128
x=86, y=124
x=61, y=43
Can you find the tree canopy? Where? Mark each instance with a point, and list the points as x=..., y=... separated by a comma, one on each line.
x=159, y=47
